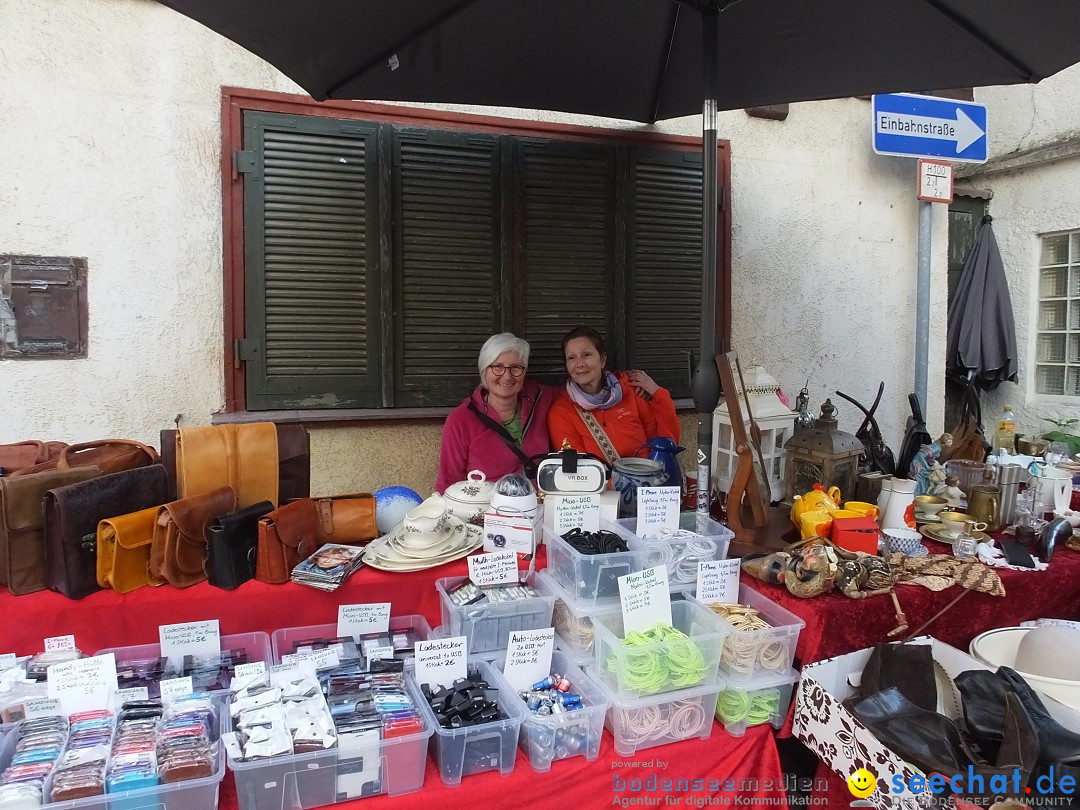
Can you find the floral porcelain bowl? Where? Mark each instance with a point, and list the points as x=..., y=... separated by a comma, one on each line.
x=468, y=500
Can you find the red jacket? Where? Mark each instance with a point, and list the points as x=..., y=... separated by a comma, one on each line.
x=629, y=424
x=468, y=444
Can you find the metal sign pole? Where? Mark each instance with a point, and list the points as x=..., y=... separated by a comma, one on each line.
x=922, y=303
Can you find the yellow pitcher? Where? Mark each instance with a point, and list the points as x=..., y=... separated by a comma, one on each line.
x=817, y=499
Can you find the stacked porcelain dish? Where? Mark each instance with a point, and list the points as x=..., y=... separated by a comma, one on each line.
x=429, y=536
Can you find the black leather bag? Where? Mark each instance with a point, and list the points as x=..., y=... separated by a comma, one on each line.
x=231, y=541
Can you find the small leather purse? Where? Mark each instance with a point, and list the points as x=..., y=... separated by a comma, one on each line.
x=123, y=551
x=292, y=532
x=231, y=542
x=178, y=549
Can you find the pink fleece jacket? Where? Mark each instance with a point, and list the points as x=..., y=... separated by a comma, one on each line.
x=468, y=444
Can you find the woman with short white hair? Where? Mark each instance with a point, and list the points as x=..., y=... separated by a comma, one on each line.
x=502, y=423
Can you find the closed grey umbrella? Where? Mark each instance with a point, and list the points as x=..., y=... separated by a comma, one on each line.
x=981, y=343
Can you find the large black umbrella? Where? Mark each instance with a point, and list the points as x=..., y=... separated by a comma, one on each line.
x=981, y=343
x=647, y=60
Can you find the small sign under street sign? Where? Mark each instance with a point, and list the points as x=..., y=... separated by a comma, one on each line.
x=924, y=126
x=935, y=181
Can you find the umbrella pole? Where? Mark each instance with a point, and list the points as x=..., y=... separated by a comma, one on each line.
x=706, y=383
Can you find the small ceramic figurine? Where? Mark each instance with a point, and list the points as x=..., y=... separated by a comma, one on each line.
x=923, y=463
x=950, y=491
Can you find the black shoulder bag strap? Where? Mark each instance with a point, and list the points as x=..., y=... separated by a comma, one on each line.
x=527, y=464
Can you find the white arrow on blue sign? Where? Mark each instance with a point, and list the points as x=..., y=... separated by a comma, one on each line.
x=923, y=126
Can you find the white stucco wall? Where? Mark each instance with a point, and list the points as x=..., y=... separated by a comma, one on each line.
x=110, y=113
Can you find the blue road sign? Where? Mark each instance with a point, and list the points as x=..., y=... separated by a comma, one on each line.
x=923, y=126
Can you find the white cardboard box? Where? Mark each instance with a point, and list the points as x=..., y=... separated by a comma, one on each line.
x=845, y=745
x=505, y=532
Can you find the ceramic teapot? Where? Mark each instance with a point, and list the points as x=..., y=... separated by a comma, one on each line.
x=666, y=451
x=468, y=500
x=817, y=499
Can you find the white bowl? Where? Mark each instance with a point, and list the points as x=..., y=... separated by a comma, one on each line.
x=906, y=541
x=997, y=648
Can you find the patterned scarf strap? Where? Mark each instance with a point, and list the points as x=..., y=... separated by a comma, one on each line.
x=611, y=455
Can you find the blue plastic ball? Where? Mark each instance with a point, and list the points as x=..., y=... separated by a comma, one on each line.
x=391, y=504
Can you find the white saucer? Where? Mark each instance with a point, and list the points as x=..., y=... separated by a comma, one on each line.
x=926, y=518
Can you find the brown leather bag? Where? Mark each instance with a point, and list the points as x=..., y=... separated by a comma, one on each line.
x=294, y=531
x=23, y=565
x=108, y=455
x=178, y=549
x=18, y=456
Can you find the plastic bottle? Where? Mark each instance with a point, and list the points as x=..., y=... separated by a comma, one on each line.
x=1005, y=435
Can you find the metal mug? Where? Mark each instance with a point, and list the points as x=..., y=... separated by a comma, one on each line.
x=984, y=504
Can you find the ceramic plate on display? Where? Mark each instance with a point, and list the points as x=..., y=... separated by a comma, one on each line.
x=935, y=532
x=385, y=555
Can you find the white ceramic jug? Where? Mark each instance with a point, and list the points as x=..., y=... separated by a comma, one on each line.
x=883, y=495
x=901, y=497
x=1055, y=489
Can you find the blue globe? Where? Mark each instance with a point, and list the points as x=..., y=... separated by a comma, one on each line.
x=391, y=504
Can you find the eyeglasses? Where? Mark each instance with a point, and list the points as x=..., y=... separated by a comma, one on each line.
x=498, y=369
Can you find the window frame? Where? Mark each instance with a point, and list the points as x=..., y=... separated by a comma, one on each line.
x=237, y=101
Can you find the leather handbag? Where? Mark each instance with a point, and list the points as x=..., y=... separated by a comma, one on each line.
x=18, y=456
x=179, y=545
x=123, y=551
x=231, y=541
x=294, y=462
x=108, y=455
x=72, y=515
x=292, y=532
x=22, y=532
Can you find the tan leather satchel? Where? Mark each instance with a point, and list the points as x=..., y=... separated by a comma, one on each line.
x=23, y=557
x=108, y=455
x=294, y=531
x=178, y=548
x=123, y=551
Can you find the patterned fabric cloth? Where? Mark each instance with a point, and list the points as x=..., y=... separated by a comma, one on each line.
x=966, y=573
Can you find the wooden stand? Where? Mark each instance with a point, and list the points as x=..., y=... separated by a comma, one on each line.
x=757, y=527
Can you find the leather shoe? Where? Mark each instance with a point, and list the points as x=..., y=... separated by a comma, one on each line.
x=1058, y=743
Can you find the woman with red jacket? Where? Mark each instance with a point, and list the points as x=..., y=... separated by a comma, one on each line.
x=502, y=423
x=621, y=411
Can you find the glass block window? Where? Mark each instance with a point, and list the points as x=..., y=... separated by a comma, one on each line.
x=1057, y=346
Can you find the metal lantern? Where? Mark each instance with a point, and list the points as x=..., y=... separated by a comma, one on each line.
x=824, y=454
x=775, y=423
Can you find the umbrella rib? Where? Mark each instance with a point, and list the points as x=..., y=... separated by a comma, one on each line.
x=1023, y=70
x=659, y=92
x=431, y=24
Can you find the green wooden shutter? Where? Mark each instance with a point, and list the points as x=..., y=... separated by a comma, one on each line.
x=311, y=262
x=447, y=215
x=565, y=234
x=664, y=257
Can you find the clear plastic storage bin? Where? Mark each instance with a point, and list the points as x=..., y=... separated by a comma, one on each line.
x=573, y=622
x=488, y=624
x=474, y=749
x=192, y=793
x=255, y=645
x=488, y=655
x=680, y=555
x=546, y=738
x=661, y=666
x=763, y=700
x=750, y=654
x=393, y=766
x=639, y=723
x=284, y=641
x=589, y=578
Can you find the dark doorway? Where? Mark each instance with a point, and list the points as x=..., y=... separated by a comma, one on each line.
x=965, y=215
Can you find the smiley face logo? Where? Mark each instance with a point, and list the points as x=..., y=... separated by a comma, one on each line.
x=861, y=783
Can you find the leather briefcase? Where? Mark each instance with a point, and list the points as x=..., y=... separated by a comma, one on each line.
x=72, y=514
x=18, y=456
x=231, y=541
x=123, y=551
x=22, y=534
x=179, y=545
x=292, y=532
x=108, y=455
x=294, y=462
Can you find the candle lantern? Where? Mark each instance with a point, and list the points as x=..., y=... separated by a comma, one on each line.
x=824, y=454
x=775, y=423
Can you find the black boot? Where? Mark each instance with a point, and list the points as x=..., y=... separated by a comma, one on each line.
x=1059, y=745
x=927, y=739
x=908, y=667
